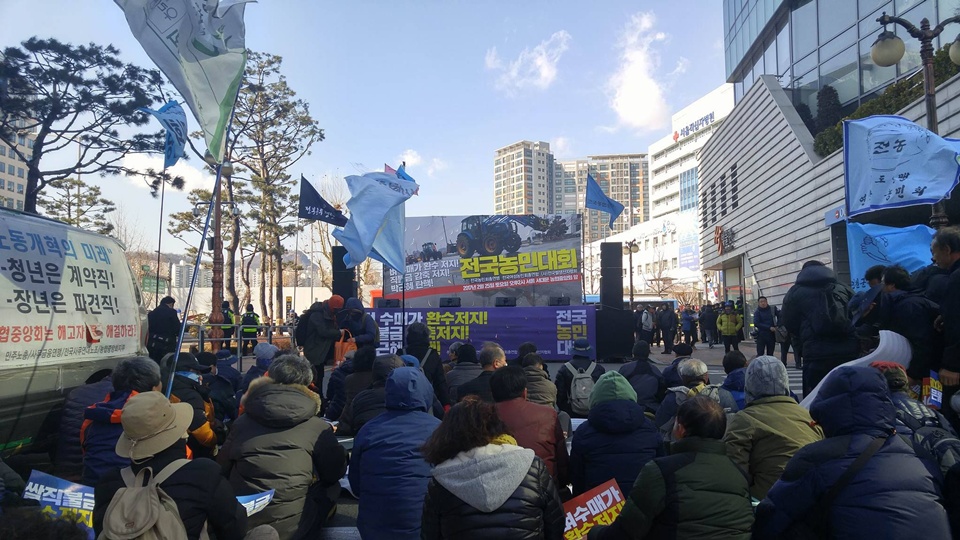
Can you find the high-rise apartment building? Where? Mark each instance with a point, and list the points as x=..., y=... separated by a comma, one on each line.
x=13, y=170
x=182, y=273
x=523, y=178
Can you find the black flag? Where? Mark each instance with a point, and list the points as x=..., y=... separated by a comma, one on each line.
x=313, y=206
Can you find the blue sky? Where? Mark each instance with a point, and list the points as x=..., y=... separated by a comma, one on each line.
x=443, y=84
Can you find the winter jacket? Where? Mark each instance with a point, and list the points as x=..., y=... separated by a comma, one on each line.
x=616, y=440
x=227, y=372
x=70, y=458
x=164, y=323
x=894, y=495
x=461, y=373
x=540, y=389
x=803, y=298
x=728, y=324
x=365, y=407
x=667, y=321
x=202, y=438
x=564, y=381
x=765, y=435
x=362, y=327
x=695, y=492
x=479, y=386
x=336, y=391
x=387, y=472
x=688, y=321
x=647, y=382
x=494, y=491
x=322, y=331
x=671, y=374
x=950, y=311
x=99, y=435
x=280, y=443
x=734, y=383
x=536, y=427
x=432, y=367
x=255, y=372
x=930, y=281
x=675, y=396
x=912, y=316
x=764, y=319
x=202, y=495
x=911, y=412
x=223, y=395
x=356, y=382
x=708, y=318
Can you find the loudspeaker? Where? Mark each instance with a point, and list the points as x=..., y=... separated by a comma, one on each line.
x=388, y=302
x=344, y=279
x=614, y=334
x=506, y=301
x=449, y=301
x=559, y=301
x=611, y=275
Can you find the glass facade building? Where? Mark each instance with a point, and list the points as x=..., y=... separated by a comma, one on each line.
x=688, y=190
x=808, y=44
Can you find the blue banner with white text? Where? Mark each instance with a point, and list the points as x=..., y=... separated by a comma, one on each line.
x=869, y=245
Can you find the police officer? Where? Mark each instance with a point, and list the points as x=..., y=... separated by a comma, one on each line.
x=229, y=320
x=250, y=328
x=164, y=326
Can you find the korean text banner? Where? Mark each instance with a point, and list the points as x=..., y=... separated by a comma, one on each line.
x=60, y=498
x=552, y=329
x=869, y=245
x=479, y=258
x=599, y=506
x=890, y=162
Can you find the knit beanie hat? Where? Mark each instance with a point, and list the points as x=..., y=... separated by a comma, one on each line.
x=895, y=375
x=335, y=302
x=766, y=376
x=612, y=386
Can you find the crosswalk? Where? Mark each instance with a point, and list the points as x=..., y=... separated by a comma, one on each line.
x=795, y=375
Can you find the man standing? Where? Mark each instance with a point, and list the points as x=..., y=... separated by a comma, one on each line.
x=729, y=324
x=322, y=331
x=229, y=320
x=695, y=492
x=667, y=321
x=708, y=324
x=249, y=329
x=164, y=325
x=575, y=380
x=492, y=358
x=647, y=324
x=765, y=321
x=946, y=254
x=815, y=310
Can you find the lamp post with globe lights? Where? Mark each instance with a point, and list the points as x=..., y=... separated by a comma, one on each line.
x=629, y=248
x=888, y=49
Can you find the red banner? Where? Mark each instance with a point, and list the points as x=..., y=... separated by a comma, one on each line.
x=599, y=506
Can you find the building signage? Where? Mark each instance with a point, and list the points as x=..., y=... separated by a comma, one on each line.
x=724, y=239
x=694, y=126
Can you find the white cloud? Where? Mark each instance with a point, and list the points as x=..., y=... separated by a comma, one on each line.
x=411, y=157
x=193, y=178
x=560, y=146
x=533, y=68
x=638, y=88
x=436, y=165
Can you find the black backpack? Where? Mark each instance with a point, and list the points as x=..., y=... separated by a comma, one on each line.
x=302, y=332
x=829, y=316
x=932, y=442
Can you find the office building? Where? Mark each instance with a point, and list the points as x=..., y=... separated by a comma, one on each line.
x=13, y=170
x=807, y=44
x=523, y=178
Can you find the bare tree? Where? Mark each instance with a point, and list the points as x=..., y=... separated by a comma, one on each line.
x=657, y=279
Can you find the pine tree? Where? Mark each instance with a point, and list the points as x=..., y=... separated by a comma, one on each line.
x=77, y=203
x=828, y=108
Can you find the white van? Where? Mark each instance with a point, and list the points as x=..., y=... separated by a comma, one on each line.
x=70, y=309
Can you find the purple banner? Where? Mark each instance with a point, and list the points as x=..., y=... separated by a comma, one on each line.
x=552, y=329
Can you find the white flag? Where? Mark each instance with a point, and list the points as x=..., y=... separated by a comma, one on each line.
x=200, y=46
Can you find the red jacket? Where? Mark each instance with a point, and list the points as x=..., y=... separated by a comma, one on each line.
x=536, y=427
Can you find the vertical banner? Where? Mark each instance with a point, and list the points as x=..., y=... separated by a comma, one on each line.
x=552, y=329
x=599, y=506
x=869, y=245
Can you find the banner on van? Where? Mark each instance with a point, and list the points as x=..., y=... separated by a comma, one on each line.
x=552, y=329
x=478, y=258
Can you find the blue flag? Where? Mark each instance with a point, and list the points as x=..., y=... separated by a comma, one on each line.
x=869, y=245
x=314, y=206
x=889, y=161
x=174, y=120
x=597, y=200
x=375, y=228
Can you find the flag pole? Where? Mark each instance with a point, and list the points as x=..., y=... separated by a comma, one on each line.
x=296, y=264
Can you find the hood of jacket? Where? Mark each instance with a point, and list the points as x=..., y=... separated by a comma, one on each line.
x=816, y=276
x=617, y=416
x=109, y=410
x=766, y=377
x=735, y=380
x=280, y=405
x=612, y=386
x=536, y=373
x=486, y=476
x=354, y=304
x=408, y=389
x=854, y=400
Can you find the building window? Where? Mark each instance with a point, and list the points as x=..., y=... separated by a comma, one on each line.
x=3, y=150
x=9, y=203
x=19, y=172
x=20, y=188
x=19, y=205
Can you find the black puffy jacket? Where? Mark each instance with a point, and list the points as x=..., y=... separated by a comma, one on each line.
x=494, y=491
x=804, y=299
x=365, y=407
x=69, y=452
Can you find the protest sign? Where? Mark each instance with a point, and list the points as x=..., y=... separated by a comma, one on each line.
x=256, y=502
x=932, y=393
x=599, y=506
x=61, y=498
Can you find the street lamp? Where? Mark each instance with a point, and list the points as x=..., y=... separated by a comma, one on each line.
x=629, y=248
x=889, y=49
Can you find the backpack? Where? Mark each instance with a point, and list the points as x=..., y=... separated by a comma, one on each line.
x=142, y=509
x=932, y=442
x=829, y=316
x=683, y=393
x=302, y=332
x=581, y=387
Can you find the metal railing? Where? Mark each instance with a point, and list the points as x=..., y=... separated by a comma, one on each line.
x=198, y=335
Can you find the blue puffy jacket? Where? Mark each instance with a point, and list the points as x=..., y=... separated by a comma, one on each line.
x=387, y=471
x=69, y=462
x=895, y=495
x=734, y=383
x=337, y=390
x=361, y=325
x=688, y=321
x=99, y=435
x=616, y=441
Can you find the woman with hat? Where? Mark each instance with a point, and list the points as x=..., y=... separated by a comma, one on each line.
x=154, y=436
x=206, y=432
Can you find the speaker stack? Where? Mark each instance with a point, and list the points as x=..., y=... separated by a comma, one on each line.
x=614, y=324
x=611, y=275
x=344, y=279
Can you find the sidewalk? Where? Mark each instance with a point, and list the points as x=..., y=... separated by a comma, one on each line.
x=714, y=356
